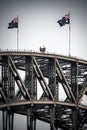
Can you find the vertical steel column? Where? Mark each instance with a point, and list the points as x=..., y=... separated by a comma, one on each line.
x=54, y=89
x=30, y=81
x=31, y=84
x=8, y=82
x=34, y=123
x=8, y=85
x=74, y=87
x=52, y=78
x=28, y=120
x=74, y=79
x=5, y=86
x=52, y=118
x=11, y=85
x=4, y=116
x=5, y=76
x=75, y=115
x=8, y=119
x=31, y=121
x=11, y=121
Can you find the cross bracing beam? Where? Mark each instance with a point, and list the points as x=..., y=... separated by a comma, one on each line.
x=60, y=74
x=83, y=91
x=3, y=95
x=22, y=86
x=42, y=77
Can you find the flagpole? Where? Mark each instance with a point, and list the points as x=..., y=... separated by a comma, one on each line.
x=66, y=20
x=18, y=35
x=69, y=34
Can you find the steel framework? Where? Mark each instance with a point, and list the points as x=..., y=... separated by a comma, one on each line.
x=50, y=72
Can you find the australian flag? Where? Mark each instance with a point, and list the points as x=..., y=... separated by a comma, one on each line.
x=65, y=20
x=13, y=23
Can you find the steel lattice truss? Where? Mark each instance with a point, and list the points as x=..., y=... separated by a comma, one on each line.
x=49, y=72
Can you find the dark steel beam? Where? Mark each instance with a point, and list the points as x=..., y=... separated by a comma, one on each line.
x=21, y=102
x=49, y=55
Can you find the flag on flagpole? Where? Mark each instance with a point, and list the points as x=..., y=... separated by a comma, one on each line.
x=65, y=20
x=13, y=23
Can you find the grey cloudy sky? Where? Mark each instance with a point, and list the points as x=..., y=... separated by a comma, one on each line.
x=38, y=26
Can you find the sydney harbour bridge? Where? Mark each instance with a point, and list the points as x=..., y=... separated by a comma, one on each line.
x=50, y=73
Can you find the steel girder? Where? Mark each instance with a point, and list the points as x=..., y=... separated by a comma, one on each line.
x=46, y=71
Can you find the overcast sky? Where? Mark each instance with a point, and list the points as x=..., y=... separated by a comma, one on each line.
x=38, y=26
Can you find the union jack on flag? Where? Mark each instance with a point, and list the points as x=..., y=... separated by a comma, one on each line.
x=15, y=20
x=67, y=16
